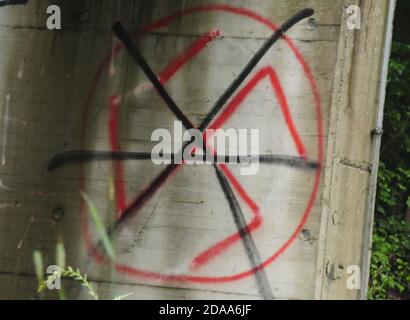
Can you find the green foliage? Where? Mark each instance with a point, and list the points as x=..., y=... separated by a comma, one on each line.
x=38, y=265
x=99, y=225
x=76, y=275
x=390, y=268
x=393, y=187
x=69, y=272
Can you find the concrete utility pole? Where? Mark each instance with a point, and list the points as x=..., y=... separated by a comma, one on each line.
x=78, y=108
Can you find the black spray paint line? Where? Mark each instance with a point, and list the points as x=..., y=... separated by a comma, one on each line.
x=139, y=59
x=12, y=2
x=139, y=201
x=305, y=13
x=137, y=204
x=73, y=157
x=251, y=250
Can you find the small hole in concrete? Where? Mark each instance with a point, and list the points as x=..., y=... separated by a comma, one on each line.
x=58, y=212
x=85, y=16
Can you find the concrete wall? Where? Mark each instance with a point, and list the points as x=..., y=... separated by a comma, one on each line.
x=55, y=89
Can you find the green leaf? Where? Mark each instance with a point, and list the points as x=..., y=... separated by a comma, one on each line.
x=60, y=255
x=401, y=287
x=122, y=297
x=38, y=265
x=99, y=226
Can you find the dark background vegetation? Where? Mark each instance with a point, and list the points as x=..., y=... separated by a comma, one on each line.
x=390, y=264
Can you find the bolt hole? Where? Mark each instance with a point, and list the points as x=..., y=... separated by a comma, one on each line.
x=305, y=235
x=311, y=24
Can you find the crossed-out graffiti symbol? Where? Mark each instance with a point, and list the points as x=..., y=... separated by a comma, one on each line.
x=214, y=120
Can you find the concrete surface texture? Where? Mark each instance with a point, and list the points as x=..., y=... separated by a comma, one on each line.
x=78, y=89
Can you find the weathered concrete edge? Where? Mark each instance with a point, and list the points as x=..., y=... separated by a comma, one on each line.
x=329, y=251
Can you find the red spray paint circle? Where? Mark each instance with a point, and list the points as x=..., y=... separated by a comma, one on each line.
x=132, y=271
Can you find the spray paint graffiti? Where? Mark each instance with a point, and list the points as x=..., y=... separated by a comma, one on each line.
x=227, y=180
x=12, y=2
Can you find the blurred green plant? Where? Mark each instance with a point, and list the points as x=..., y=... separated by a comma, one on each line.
x=390, y=264
x=69, y=272
x=75, y=274
x=99, y=225
x=390, y=268
x=38, y=266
